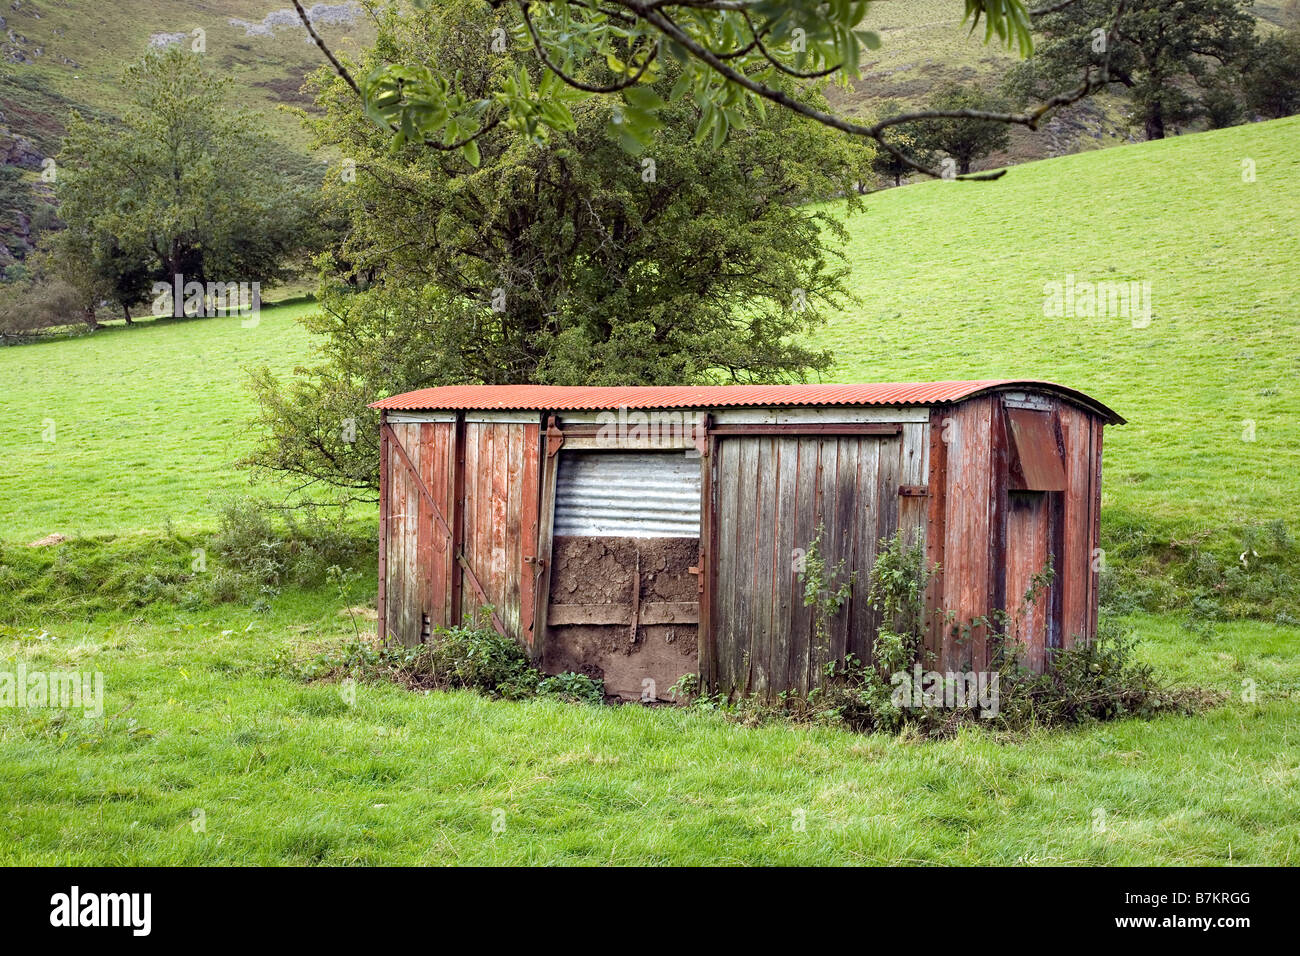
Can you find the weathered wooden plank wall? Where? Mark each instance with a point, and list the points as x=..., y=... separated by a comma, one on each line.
x=417, y=561
x=965, y=433
x=990, y=540
x=772, y=494
x=1028, y=524
x=502, y=461
x=1081, y=433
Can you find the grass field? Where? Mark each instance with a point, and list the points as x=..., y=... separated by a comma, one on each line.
x=290, y=773
x=952, y=276
x=197, y=717
x=147, y=422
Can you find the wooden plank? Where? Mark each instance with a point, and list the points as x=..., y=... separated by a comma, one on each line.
x=845, y=544
x=750, y=496
x=473, y=481
x=545, y=536
x=865, y=620
x=496, y=578
x=967, y=529
x=424, y=527
x=510, y=534
x=397, y=532
x=1055, y=551
x=828, y=519
x=481, y=531
x=804, y=495
x=706, y=648
x=786, y=592
x=889, y=473
x=456, y=604
x=1094, y=577
x=446, y=487
x=1028, y=521
x=649, y=613
x=999, y=477
x=912, y=510
x=937, y=478
x=727, y=518
x=528, y=529
x=794, y=429
x=398, y=526
x=385, y=466
x=412, y=614
x=762, y=607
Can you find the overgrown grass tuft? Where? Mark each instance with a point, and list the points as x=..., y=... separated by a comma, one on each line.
x=472, y=656
x=254, y=553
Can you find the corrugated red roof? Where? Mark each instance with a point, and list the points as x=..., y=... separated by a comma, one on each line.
x=579, y=398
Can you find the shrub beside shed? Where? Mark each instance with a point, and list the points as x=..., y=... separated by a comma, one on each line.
x=637, y=534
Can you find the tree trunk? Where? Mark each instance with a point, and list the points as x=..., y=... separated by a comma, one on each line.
x=1155, y=122
x=126, y=314
x=963, y=166
x=88, y=316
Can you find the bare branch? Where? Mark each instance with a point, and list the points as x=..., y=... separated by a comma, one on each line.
x=339, y=68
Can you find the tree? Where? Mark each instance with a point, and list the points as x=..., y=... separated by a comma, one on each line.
x=1159, y=53
x=730, y=57
x=893, y=165
x=185, y=186
x=563, y=262
x=1272, y=80
x=964, y=140
x=98, y=268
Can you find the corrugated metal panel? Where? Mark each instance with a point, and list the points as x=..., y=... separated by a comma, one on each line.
x=560, y=398
x=624, y=494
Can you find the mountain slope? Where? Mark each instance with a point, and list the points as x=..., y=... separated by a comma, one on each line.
x=60, y=55
x=952, y=281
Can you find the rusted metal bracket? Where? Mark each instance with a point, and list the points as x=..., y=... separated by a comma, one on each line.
x=914, y=491
x=702, y=435
x=554, y=437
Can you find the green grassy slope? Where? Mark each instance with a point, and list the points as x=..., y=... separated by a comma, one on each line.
x=194, y=721
x=147, y=422
x=951, y=277
x=61, y=55
x=84, y=46
x=196, y=717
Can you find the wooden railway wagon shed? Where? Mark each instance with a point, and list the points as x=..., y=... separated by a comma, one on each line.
x=641, y=533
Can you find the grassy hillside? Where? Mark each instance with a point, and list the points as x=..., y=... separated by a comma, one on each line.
x=61, y=55
x=951, y=278
x=79, y=49
x=147, y=422
x=204, y=756
x=209, y=752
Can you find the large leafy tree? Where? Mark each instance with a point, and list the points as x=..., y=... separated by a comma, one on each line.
x=568, y=261
x=1162, y=54
x=964, y=140
x=730, y=58
x=185, y=185
x=1272, y=79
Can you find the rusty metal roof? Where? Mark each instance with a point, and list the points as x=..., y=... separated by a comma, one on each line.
x=580, y=398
